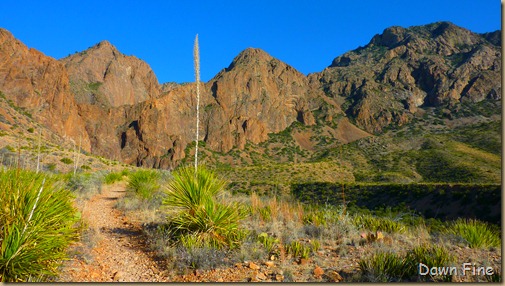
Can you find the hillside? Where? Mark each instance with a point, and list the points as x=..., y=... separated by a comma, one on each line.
x=372, y=112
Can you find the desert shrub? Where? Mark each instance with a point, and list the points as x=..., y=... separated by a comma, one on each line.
x=267, y=241
x=66, y=160
x=36, y=225
x=315, y=218
x=250, y=250
x=199, y=257
x=374, y=223
x=431, y=256
x=133, y=202
x=383, y=267
x=84, y=185
x=476, y=233
x=113, y=177
x=393, y=267
x=298, y=249
x=143, y=183
x=212, y=224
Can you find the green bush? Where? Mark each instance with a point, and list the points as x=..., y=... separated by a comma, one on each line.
x=432, y=256
x=36, y=225
x=143, y=183
x=383, y=267
x=84, y=185
x=379, y=223
x=476, y=233
x=66, y=160
x=201, y=218
x=113, y=177
x=298, y=249
x=392, y=267
x=268, y=242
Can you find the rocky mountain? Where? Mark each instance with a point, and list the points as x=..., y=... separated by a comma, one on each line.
x=40, y=85
x=116, y=104
x=256, y=95
x=110, y=90
x=103, y=76
x=403, y=69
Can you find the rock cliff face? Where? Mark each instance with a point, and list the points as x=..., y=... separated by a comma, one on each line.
x=103, y=76
x=40, y=85
x=116, y=104
x=110, y=89
x=254, y=96
x=402, y=69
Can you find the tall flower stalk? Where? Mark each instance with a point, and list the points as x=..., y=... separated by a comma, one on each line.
x=196, y=57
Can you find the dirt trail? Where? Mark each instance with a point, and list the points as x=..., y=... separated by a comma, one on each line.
x=118, y=251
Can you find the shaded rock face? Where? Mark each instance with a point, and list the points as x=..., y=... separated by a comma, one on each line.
x=40, y=84
x=402, y=69
x=110, y=89
x=254, y=96
x=103, y=76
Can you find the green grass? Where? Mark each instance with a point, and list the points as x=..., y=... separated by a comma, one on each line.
x=36, y=220
x=267, y=241
x=476, y=233
x=113, y=177
x=375, y=223
x=393, y=267
x=383, y=267
x=143, y=183
x=298, y=249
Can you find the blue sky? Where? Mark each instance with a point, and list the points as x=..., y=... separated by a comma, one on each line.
x=308, y=35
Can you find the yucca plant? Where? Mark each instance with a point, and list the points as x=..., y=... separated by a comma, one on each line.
x=432, y=256
x=268, y=242
x=212, y=223
x=36, y=225
x=298, y=249
x=383, y=267
x=390, y=267
x=113, y=177
x=379, y=224
x=476, y=233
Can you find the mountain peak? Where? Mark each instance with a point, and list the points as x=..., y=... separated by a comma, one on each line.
x=106, y=46
x=249, y=56
x=5, y=33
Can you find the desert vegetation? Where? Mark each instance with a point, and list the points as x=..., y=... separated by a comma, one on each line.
x=360, y=185
x=203, y=232
x=200, y=222
x=37, y=222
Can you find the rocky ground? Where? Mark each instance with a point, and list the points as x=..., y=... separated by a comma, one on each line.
x=114, y=249
x=118, y=250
